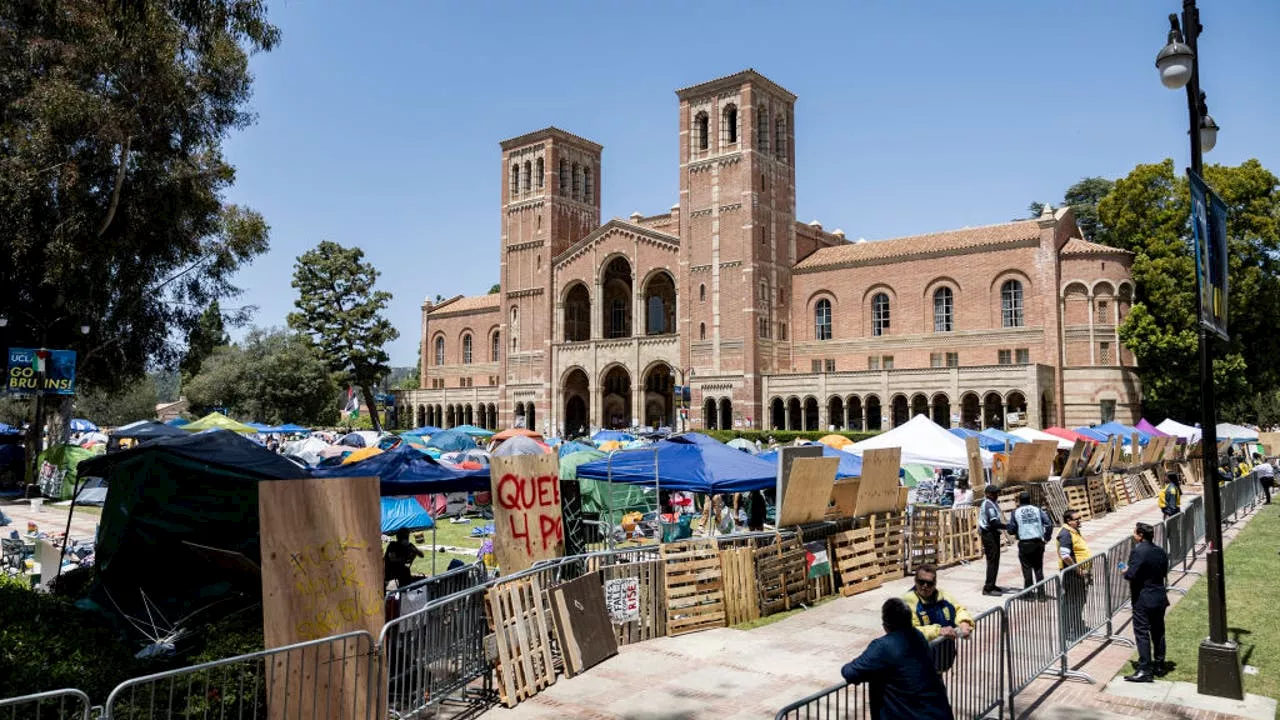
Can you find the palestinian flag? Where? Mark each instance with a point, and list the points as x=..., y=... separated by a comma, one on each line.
x=352, y=408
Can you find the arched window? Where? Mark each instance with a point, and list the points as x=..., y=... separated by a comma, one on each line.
x=1011, y=304
x=538, y=172
x=879, y=314
x=762, y=129
x=701, y=136
x=588, y=189
x=526, y=182
x=780, y=138
x=564, y=176
x=822, y=320
x=439, y=351
x=943, y=310
x=515, y=179
x=515, y=328
x=702, y=292
x=729, y=124
x=466, y=349
x=495, y=350
x=702, y=331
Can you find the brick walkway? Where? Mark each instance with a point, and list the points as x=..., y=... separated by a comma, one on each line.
x=737, y=674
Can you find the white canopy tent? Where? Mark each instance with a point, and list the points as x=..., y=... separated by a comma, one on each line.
x=1033, y=434
x=923, y=443
x=1236, y=433
x=1177, y=429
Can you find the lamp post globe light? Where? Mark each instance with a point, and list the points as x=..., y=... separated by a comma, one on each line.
x=1219, y=671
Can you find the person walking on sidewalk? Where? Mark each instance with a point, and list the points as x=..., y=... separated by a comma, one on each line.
x=1170, y=498
x=990, y=523
x=1033, y=528
x=1146, y=571
x=1073, y=561
x=899, y=670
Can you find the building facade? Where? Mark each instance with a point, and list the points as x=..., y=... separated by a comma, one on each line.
x=769, y=322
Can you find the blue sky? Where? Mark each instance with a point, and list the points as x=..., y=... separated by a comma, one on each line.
x=379, y=122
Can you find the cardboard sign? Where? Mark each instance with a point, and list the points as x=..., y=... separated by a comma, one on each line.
x=321, y=576
x=1270, y=443
x=976, y=477
x=622, y=599
x=808, y=491
x=878, y=491
x=1031, y=462
x=786, y=456
x=844, y=495
x=527, y=520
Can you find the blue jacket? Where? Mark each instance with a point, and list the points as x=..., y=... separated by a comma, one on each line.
x=902, y=679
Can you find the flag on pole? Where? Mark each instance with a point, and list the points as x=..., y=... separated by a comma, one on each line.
x=352, y=407
x=40, y=360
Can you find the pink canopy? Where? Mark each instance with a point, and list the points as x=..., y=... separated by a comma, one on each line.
x=1150, y=429
x=1068, y=434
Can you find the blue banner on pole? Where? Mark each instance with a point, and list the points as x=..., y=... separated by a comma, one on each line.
x=37, y=371
x=1209, y=233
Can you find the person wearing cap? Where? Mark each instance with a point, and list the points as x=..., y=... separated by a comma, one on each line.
x=1033, y=528
x=1170, y=498
x=1265, y=473
x=990, y=523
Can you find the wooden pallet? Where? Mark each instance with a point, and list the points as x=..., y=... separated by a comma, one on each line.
x=924, y=536
x=1097, y=497
x=1150, y=484
x=1056, y=499
x=855, y=560
x=652, y=622
x=960, y=541
x=738, y=567
x=523, y=635
x=694, y=586
x=822, y=584
x=1078, y=500
x=890, y=538
x=1118, y=492
x=782, y=576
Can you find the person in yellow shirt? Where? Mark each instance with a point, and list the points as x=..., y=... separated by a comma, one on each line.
x=1073, y=561
x=1170, y=498
x=936, y=614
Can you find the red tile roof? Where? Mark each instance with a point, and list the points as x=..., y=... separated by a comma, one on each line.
x=474, y=303
x=940, y=242
x=1076, y=246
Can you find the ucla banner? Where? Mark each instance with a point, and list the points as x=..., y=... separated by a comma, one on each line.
x=27, y=366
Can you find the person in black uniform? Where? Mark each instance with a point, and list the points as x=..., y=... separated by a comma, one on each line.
x=990, y=523
x=900, y=670
x=1148, y=565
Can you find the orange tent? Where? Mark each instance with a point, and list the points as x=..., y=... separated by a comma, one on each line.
x=513, y=432
x=360, y=454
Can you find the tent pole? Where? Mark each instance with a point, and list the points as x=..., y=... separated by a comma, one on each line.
x=657, y=491
x=434, y=524
x=75, y=490
x=608, y=504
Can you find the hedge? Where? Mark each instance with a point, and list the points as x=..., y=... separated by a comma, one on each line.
x=784, y=437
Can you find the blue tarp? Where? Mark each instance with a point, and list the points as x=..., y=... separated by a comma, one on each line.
x=147, y=430
x=850, y=464
x=1091, y=433
x=178, y=422
x=290, y=428
x=986, y=442
x=1126, y=432
x=451, y=441
x=474, y=430
x=607, y=435
x=424, y=430
x=404, y=512
x=572, y=447
x=260, y=427
x=405, y=471
x=691, y=462
x=1001, y=437
x=82, y=425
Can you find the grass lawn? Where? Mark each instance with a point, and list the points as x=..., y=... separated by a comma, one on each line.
x=456, y=535
x=771, y=619
x=1250, y=562
x=422, y=566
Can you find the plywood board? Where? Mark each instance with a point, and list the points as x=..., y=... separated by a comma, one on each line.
x=844, y=497
x=527, y=520
x=808, y=491
x=972, y=450
x=321, y=576
x=582, y=623
x=878, y=491
x=650, y=614
x=1270, y=443
x=786, y=456
x=1031, y=462
x=1074, y=459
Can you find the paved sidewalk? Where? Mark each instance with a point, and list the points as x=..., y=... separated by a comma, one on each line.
x=51, y=519
x=736, y=674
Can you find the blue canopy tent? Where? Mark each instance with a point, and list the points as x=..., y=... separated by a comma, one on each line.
x=474, y=430
x=1001, y=437
x=1125, y=432
x=290, y=428
x=404, y=512
x=689, y=462
x=607, y=435
x=178, y=422
x=572, y=447
x=850, y=464
x=986, y=442
x=1091, y=433
x=405, y=471
x=424, y=430
x=451, y=440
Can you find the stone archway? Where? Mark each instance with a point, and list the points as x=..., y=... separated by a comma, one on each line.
x=660, y=305
x=794, y=420
x=919, y=405
x=710, y=415
x=778, y=414
x=577, y=313
x=993, y=411
x=942, y=410
x=853, y=411
x=726, y=413
x=1016, y=402
x=659, y=396
x=899, y=411
x=615, y=308
x=577, y=399
x=835, y=411
x=971, y=411
x=811, y=414
x=615, y=398
x=875, y=415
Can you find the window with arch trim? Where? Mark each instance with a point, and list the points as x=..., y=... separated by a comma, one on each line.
x=879, y=314
x=780, y=138
x=1011, y=304
x=822, y=320
x=701, y=131
x=515, y=328
x=495, y=350
x=702, y=292
x=439, y=351
x=526, y=182
x=466, y=349
x=515, y=179
x=943, y=310
x=588, y=188
x=729, y=124
x=564, y=176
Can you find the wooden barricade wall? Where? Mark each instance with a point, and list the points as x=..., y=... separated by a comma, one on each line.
x=694, y=586
x=890, y=539
x=652, y=622
x=523, y=634
x=1097, y=497
x=855, y=560
x=738, y=567
x=1078, y=500
x=782, y=576
x=924, y=536
x=960, y=541
x=1056, y=499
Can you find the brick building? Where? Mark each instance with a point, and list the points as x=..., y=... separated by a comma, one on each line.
x=771, y=323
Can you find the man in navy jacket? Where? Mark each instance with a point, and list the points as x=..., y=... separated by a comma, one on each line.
x=1146, y=571
x=898, y=668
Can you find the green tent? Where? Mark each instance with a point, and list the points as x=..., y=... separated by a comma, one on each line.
x=912, y=475
x=599, y=497
x=218, y=421
x=58, y=470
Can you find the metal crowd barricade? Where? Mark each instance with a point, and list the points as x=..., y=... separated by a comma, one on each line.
x=431, y=654
x=838, y=702
x=446, y=583
x=319, y=678
x=972, y=668
x=1034, y=633
x=68, y=704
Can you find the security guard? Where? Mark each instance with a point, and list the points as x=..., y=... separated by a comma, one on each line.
x=1146, y=572
x=1170, y=498
x=990, y=523
x=1033, y=528
x=1073, y=561
x=936, y=614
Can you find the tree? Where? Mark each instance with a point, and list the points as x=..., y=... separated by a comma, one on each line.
x=209, y=333
x=1147, y=213
x=497, y=288
x=274, y=377
x=341, y=313
x=1083, y=197
x=136, y=402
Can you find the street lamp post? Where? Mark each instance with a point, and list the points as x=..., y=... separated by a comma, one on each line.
x=1219, y=666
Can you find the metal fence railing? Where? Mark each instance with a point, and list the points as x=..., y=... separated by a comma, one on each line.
x=838, y=702
x=330, y=677
x=69, y=704
x=444, y=584
x=973, y=668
